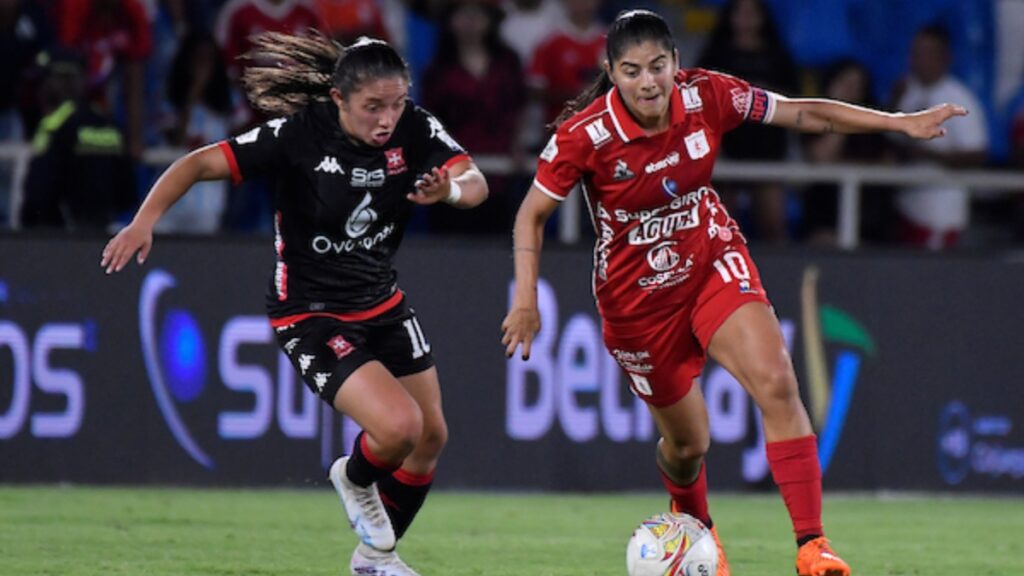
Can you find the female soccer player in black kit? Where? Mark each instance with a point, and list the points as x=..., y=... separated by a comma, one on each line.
x=350, y=155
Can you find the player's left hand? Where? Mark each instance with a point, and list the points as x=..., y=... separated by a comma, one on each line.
x=927, y=124
x=431, y=187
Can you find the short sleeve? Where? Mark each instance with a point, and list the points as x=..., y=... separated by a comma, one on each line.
x=257, y=151
x=735, y=100
x=442, y=150
x=561, y=164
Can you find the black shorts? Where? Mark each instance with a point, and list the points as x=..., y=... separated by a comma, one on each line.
x=326, y=350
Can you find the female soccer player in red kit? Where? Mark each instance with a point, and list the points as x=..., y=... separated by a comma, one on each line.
x=672, y=276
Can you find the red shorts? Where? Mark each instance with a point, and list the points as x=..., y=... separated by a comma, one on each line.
x=663, y=355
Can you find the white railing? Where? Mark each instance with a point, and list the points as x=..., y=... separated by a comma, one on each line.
x=849, y=177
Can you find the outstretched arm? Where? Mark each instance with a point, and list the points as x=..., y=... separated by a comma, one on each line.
x=826, y=116
x=522, y=322
x=462, y=186
x=207, y=163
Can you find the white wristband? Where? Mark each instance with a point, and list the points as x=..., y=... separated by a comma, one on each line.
x=454, y=192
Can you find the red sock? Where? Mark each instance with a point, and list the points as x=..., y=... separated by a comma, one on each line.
x=795, y=468
x=691, y=499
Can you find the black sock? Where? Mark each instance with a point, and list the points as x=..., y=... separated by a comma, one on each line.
x=363, y=467
x=801, y=541
x=403, y=495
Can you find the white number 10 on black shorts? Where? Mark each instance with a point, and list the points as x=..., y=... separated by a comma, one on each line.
x=326, y=350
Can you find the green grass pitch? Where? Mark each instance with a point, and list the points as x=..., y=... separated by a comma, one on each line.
x=129, y=531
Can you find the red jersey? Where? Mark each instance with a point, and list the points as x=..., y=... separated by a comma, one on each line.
x=105, y=40
x=659, y=223
x=565, y=64
x=240, y=19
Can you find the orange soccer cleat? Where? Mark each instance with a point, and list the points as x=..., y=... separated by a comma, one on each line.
x=816, y=558
x=723, y=564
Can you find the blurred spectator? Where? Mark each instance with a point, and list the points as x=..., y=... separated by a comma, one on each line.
x=421, y=33
x=746, y=42
x=200, y=95
x=476, y=87
x=115, y=38
x=347, y=20
x=567, y=62
x=24, y=31
x=849, y=81
x=240, y=19
x=934, y=216
x=80, y=177
x=528, y=23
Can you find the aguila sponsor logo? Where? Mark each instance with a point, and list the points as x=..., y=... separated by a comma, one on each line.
x=660, y=227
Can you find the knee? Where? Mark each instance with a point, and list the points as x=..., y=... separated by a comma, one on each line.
x=775, y=385
x=400, y=434
x=685, y=452
x=435, y=436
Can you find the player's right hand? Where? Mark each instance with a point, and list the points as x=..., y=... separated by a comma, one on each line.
x=519, y=328
x=122, y=246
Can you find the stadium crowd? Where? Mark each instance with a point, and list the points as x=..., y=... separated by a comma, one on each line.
x=90, y=85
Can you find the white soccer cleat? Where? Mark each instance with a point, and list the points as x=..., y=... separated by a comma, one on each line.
x=369, y=562
x=365, y=510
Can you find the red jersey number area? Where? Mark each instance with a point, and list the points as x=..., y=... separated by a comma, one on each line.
x=658, y=221
x=662, y=356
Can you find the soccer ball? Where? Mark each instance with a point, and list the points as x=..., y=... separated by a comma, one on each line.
x=671, y=544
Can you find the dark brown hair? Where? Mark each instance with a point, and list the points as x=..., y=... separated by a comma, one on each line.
x=286, y=72
x=631, y=27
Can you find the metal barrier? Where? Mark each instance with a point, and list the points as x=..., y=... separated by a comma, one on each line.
x=849, y=177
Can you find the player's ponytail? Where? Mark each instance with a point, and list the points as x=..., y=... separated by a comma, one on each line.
x=286, y=72
x=631, y=27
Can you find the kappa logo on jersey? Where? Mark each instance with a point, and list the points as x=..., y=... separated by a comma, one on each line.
x=363, y=178
x=670, y=160
x=598, y=133
x=329, y=165
x=550, y=151
x=622, y=171
x=276, y=124
x=289, y=346
x=396, y=161
x=340, y=346
x=305, y=361
x=320, y=380
x=249, y=137
x=697, y=145
x=437, y=131
x=254, y=134
x=691, y=99
x=361, y=218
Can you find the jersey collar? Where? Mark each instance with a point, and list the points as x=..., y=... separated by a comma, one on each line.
x=624, y=123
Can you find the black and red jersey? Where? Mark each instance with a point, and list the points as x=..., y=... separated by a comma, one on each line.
x=659, y=223
x=340, y=206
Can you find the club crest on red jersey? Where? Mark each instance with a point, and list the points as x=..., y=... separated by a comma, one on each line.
x=396, y=161
x=697, y=145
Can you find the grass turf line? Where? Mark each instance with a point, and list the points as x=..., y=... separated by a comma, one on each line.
x=129, y=531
